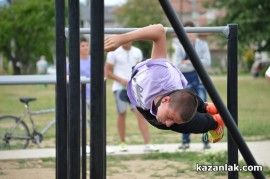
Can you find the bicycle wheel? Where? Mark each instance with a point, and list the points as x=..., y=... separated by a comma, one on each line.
x=14, y=133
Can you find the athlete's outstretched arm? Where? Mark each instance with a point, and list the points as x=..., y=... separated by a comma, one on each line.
x=155, y=33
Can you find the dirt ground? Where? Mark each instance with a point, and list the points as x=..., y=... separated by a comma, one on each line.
x=135, y=169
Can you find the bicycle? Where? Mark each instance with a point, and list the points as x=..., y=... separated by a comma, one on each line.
x=15, y=133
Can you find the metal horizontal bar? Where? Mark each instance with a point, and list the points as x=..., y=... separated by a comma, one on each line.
x=219, y=29
x=33, y=79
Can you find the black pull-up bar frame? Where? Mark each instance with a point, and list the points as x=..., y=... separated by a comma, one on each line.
x=67, y=148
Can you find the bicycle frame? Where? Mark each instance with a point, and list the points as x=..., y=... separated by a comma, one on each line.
x=32, y=113
x=47, y=127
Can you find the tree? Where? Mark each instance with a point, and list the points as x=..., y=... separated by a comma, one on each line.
x=27, y=31
x=252, y=18
x=136, y=13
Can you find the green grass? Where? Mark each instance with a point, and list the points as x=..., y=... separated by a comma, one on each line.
x=253, y=111
x=180, y=164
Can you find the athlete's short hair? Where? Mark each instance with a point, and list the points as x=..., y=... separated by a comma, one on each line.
x=185, y=103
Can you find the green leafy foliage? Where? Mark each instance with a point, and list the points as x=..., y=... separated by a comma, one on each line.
x=252, y=19
x=27, y=31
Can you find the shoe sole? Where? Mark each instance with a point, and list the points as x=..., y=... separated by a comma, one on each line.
x=216, y=140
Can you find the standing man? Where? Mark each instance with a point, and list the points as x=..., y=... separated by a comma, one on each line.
x=42, y=66
x=85, y=70
x=183, y=62
x=118, y=68
x=85, y=65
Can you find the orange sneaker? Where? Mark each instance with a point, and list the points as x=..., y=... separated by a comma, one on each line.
x=216, y=134
x=211, y=108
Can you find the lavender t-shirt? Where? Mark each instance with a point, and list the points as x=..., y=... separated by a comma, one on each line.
x=153, y=78
x=85, y=70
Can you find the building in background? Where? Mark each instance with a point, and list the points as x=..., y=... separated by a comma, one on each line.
x=85, y=20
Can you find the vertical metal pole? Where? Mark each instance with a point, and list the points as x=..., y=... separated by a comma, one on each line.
x=74, y=91
x=84, y=125
x=226, y=116
x=98, y=157
x=104, y=127
x=61, y=98
x=232, y=97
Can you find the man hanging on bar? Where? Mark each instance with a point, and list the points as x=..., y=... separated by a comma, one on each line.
x=157, y=88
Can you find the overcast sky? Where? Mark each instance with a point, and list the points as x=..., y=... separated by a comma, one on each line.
x=110, y=2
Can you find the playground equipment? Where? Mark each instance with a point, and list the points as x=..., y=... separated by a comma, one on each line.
x=68, y=145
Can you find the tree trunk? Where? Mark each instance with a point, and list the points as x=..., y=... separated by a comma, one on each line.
x=16, y=67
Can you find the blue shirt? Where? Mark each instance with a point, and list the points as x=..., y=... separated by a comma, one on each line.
x=202, y=50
